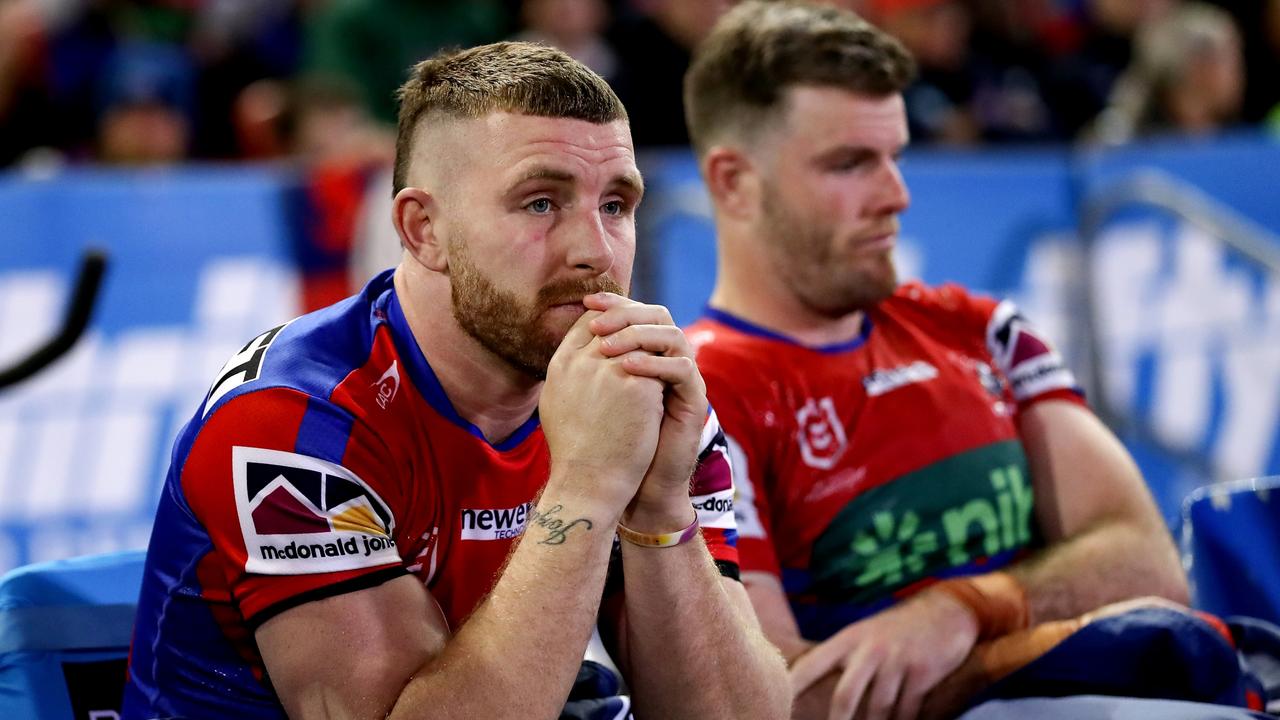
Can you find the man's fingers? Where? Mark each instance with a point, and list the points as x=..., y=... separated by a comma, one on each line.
x=678, y=372
x=812, y=665
x=853, y=684
x=579, y=334
x=882, y=695
x=604, y=300
x=910, y=698
x=623, y=312
x=660, y=339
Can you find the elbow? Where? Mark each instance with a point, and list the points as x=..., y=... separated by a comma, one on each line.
x=1177, y=588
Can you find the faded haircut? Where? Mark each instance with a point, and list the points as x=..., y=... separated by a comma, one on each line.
x=514, y=77
x=740, y=74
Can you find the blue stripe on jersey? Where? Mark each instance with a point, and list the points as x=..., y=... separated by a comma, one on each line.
x=429, y=385
x=818, y=621
x=317, y=351
x=749, y=328
x=323, y=432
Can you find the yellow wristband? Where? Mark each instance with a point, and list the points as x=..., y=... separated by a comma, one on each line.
x=662, y=540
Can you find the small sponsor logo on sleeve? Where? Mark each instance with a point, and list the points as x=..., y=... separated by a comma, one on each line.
x=1030, y=363
x=715, y=510
x=387, y=386
x=301, y=515
x=243, y=367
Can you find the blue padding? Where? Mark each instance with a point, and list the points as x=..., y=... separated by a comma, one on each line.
x=109, y=579
x=1231, y=548
x=63, y=613
x=66, y=628
x=1111, y=708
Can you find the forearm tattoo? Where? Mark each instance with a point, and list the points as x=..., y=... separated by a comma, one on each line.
x=557, y=528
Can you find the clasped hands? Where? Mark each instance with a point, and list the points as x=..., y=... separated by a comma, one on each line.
x=623, y=409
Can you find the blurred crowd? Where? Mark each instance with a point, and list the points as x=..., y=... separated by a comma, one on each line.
x=164, y=81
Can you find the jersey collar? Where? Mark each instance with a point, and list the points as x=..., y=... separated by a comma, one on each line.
x=744, y=326
x=424, y=378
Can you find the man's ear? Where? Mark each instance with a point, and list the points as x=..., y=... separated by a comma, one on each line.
x=733, y=180
x=415, y=214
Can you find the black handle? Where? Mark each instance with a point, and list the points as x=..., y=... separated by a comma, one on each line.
x=92, y=267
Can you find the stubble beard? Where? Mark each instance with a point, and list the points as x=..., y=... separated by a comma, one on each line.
x=803, y=256
x=507, y=326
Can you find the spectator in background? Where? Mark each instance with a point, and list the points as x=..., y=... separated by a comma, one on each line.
x=24, y=100
x=1086, y=72
x=373, y=42
x=1187, y=76
x=654, y=44
x=317, y=120
x=343, y=158
x=574, y=26
x=1271, y=29
x=146, y=101
x=236, y=43
x=940, y=101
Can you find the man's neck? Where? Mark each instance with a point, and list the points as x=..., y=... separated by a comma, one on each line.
x=751, y=290
x=484, y=390
x=786, y=316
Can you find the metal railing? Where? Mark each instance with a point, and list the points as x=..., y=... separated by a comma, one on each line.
x=1159, y=191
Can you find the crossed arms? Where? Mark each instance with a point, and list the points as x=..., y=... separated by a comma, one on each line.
x=1105, y=542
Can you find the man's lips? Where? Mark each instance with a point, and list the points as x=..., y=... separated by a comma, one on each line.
x=879, y=243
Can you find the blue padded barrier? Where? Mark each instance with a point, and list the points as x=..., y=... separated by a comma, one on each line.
x=1231, y=548
x=64, y=636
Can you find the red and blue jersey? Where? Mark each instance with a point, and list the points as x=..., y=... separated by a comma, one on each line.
x=325, y=459
x=870, y=468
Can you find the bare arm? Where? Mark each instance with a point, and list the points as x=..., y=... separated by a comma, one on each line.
x=692, y=646
x=386, y=651
x=1105, y=539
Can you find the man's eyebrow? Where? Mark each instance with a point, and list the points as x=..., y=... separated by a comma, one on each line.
x=631, y=181
x=545, y=173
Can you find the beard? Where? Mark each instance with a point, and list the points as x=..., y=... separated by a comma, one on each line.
x=804, y=255
x=507, y=326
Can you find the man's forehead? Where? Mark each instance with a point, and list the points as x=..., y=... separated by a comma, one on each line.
x=516, y=144
x=506, y=130
x=811, y=109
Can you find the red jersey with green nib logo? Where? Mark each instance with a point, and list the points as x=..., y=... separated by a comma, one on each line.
x=869, y=468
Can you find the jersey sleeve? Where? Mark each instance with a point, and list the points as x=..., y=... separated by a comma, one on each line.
x=1020, y=352
x=1034, y=369
x=711, y=491
x=747, y=453
x=297, y=498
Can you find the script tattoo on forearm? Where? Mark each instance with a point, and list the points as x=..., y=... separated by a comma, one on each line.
x=556, y=527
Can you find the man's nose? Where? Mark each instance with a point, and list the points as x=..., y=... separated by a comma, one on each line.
x=590, y=246
x=892, y=194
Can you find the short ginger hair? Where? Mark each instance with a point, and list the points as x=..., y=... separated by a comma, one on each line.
x=515, y=77
x=740, y=73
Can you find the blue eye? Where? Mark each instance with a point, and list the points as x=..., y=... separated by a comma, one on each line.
x=612, y=208
x=540, y=206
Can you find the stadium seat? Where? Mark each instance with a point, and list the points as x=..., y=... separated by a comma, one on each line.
x=64, y=636
x=1231, y=548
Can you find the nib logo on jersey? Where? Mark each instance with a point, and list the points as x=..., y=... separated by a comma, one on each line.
x=301, y=514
